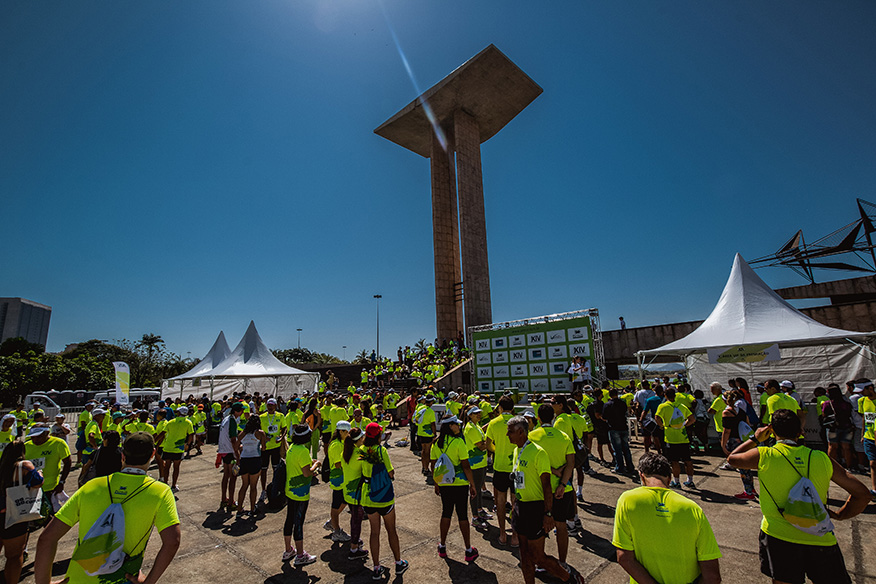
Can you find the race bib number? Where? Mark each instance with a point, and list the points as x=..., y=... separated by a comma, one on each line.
x=870, y=418
x=273, y=429
x=39, y=463
x=518, y=480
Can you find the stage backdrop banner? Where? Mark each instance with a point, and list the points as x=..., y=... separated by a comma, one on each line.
x=531, y=357
x=745, y=353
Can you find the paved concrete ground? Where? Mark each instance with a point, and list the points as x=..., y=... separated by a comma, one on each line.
x=219, y=548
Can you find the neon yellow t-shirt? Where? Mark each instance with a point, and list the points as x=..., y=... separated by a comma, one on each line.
x=390, y=401
x=198, y=420
x=336, y=415
x=294, y=417
x=272, y=425
x=326, y=413
x=557, y=445
x=154, y=505
x=84, y=418
x=685, y=399
x=336, y=475
x=424, y=426
x=92, y=429
x=367, y=473
x=175, y=433
x=777, y=477
x=674, y=416
x=668, y=532
x=473, y=434
x=497, y=432
x=764, y=411
x=140, y=427
x=867, y=409
x=352, y=475
x=298, y=485
x=47, y=458
x=780, y=401
x=718, y=406
x=456, y=451
x=530, y=462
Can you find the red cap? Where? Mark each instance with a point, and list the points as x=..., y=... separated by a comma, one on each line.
x=373, y=430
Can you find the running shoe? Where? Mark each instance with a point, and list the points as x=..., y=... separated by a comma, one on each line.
x=689, y=484
x=726, y=466
x=673, y=484
x=570, y=525
x=578, y=525
x=745, y=496
x=442, y=551
x=472, y=555
x=174, y=489
x=401, y=567
x=484, y=515
x=304, y=559
x=328, y=526
x=379, y=573
x=231, y=507
x=359, y=554
x=263, y=497
x=288, y=555
x=576, y=577
x=580, y=497
x=340, y=535
x=873, y=494
x=591, y=472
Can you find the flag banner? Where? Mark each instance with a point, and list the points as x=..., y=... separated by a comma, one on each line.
x=123, y=382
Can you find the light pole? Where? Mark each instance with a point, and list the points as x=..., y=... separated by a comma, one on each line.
x=299, y=338
x=345, y=352
x=378, y=297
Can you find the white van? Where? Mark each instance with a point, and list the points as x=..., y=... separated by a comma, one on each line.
x=46, y=404
x=149, y=397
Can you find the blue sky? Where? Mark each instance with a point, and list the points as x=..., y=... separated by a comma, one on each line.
x=182, y=168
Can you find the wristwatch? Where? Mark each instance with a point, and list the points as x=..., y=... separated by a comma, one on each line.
x=547, y=514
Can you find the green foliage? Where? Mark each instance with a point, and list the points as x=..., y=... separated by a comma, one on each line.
x=303, y=355
x=19, y=345
x=362, y=358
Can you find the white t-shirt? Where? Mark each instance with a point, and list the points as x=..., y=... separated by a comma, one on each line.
x=644, y=395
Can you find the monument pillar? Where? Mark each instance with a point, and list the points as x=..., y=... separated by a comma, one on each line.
x=472, y=221
x=445, y=236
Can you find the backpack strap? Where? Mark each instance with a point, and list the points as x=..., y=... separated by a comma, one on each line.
x=762, y=484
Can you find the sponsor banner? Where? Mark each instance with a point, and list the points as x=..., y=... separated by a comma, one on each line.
x=580, y=333
x=500, y=357
x=518, y=355
x=559, y=368
x=522, y=385
x=538, y=369
x=581, y=350
x=500, y=372
x=517, y=341
x=537, y=354
x=560, y=384
x=500, y=343
x=485, y=372
x=485, y=386
x=540, y=384
x=501, y=385
x=557, y=352
x=519, y=371
x=535, y=338
x=482, y=345
x=554, y=337
x=484, y=358
x=745, y=353
x=123, y=382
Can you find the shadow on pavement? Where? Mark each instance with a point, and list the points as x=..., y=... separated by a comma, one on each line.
x=713, y=497
x=336, y=559
x=595, y=544
x=293, y=575
x=469, y=572
x=597, y=509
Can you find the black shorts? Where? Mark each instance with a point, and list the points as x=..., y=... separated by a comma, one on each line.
x=12, y=531
x=454, y=497
x=270, y=456
x=172, y=456
x=501, y=481
x=677, y=452
x=602, y=438
x=382, y=511
x=527, y=519
x=793, y=562
x=337, y=498
x=326, y=437
x=564, y=509
x=228, y=458
x=425, y=440
x=250, y=466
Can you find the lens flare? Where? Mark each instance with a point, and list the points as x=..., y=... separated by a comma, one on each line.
x=430, y=115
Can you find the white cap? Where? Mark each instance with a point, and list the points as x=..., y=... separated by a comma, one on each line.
x=453, y=395
x=787, y=384
x=449, y=420
x=182, y=410
x=98, y=411
x=343, y=425
x=475, y=410
x=36, y=430
x=272, y=402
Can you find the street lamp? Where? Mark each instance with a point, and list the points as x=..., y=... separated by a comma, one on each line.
x=378, y=297
x=299, y=338
x=345, y=352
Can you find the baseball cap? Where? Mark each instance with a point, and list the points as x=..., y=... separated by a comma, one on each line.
x=787, y=384
x=139, y=445
x=343, y=425
x=272, y=402
x=183, y=410
x=449, y=420
x=862, y=383
x=529, y=414
x=117, y=415
x=237, y=407
x=373, y=430
x=98, y=412
x=475, y=410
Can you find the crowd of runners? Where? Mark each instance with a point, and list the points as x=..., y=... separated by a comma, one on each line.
x=535, y=454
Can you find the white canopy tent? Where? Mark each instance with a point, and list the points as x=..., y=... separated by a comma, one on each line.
x=250, y=367
x=748, y=313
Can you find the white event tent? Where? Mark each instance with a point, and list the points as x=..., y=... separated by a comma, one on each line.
x=749, y=313
x=250, y=367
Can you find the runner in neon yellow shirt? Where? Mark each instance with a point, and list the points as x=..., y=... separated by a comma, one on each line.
x=177, y=434
x=675, y=418
x=453, y=483
x=503, y=454
x=674, y=544
x=476, y=442
x=300, y=468
x=274, y=426
x=49, y=455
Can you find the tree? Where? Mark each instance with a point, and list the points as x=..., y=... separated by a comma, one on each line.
x=362, y=358
x=19, y=345
x=420, y=347
x=151, y=343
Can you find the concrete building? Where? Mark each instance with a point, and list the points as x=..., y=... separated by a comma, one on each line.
x=447, y=124
x=24, y=318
